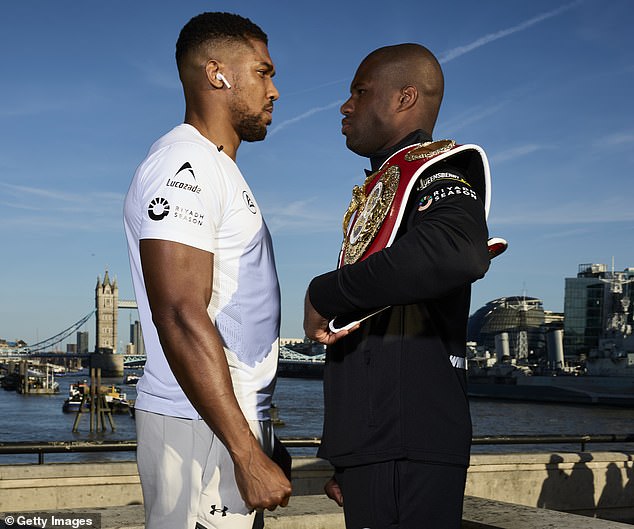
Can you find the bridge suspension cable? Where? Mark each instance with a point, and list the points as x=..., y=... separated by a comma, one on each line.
x=59, y=337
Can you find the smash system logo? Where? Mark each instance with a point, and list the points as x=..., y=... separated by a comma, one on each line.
x=158, y=209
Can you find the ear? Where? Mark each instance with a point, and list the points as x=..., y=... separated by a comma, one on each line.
x=211, y=70
x=407, y=97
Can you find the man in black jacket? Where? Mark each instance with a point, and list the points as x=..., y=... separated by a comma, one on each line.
x=397, y=426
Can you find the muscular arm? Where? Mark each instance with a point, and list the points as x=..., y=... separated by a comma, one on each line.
x=179, y=280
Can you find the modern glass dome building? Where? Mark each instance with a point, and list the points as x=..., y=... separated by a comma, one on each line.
x=520, y=317
x=597, y=302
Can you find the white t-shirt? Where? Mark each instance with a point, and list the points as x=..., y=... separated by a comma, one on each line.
x=187, y=191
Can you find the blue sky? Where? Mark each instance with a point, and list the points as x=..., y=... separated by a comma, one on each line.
x=545, y=87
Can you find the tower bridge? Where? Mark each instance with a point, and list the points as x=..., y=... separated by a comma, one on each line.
x=107, y=306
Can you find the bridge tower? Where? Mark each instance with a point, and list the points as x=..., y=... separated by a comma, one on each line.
x=107, y=305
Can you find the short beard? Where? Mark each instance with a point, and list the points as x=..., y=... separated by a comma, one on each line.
x=249, y=127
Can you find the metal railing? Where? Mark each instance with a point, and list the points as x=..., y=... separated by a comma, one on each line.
x=582, y=440
x=67, y=447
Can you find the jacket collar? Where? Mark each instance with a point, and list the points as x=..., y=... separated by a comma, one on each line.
x=377, y=159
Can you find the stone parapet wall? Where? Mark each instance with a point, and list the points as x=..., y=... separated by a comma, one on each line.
x=591, y=483
x=586, y=483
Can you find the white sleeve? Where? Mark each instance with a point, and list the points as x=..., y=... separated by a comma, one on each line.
x=183, y=192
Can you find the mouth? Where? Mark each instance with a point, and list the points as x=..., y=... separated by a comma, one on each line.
x=267, y=115
x=268, y=110
x=345, y=125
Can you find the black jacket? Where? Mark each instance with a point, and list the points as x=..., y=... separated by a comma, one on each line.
x=391, y=391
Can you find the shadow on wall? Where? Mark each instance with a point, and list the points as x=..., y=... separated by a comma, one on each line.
x=575, y=491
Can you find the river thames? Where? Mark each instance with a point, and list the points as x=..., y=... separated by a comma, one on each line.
x=36, y=418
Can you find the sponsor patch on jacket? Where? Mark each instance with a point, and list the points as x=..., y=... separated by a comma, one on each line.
x=425, y=202
x=445, y=192
x=422, y=184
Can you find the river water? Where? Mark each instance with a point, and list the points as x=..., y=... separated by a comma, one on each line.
x=36, y=418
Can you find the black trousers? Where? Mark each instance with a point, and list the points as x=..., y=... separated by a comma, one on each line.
x=402, y=494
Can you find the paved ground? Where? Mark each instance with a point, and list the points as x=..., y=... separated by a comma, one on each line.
x=318, y=512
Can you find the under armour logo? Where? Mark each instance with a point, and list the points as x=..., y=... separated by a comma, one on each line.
x=214, y=510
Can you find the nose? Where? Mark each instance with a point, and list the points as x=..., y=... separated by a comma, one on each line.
x=273, y=93
x=346, y=108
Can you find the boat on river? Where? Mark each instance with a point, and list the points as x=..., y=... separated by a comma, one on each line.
x=76, y=392
x=116, y=399
x=513, y=383
x=79, y=397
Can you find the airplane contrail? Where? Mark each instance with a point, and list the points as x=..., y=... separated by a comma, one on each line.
x=461, y=50
x=306, y=114
x=449, y=55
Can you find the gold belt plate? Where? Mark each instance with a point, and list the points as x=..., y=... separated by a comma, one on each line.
x=370, y=215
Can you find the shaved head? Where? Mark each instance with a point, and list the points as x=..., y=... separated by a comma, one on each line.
x=395, y=91
x=414, y=65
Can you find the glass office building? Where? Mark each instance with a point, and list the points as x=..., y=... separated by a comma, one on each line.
x=597, y=302
x=136, y=338
x=591, y=300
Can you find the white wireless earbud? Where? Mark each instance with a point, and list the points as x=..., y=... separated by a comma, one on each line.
x=222, y=78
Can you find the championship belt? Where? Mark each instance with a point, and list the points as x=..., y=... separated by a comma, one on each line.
x=378, y=206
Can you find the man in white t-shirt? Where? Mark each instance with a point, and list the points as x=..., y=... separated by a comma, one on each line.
x=207, y=291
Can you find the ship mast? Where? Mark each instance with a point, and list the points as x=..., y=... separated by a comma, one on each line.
x=617, y=306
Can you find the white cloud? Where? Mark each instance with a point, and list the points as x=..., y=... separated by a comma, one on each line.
x=157, y=75
x=616, y=140
x=31, y=107
x=469, y=117
x=50, y=209
x=514, y=153
x=305, y=216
